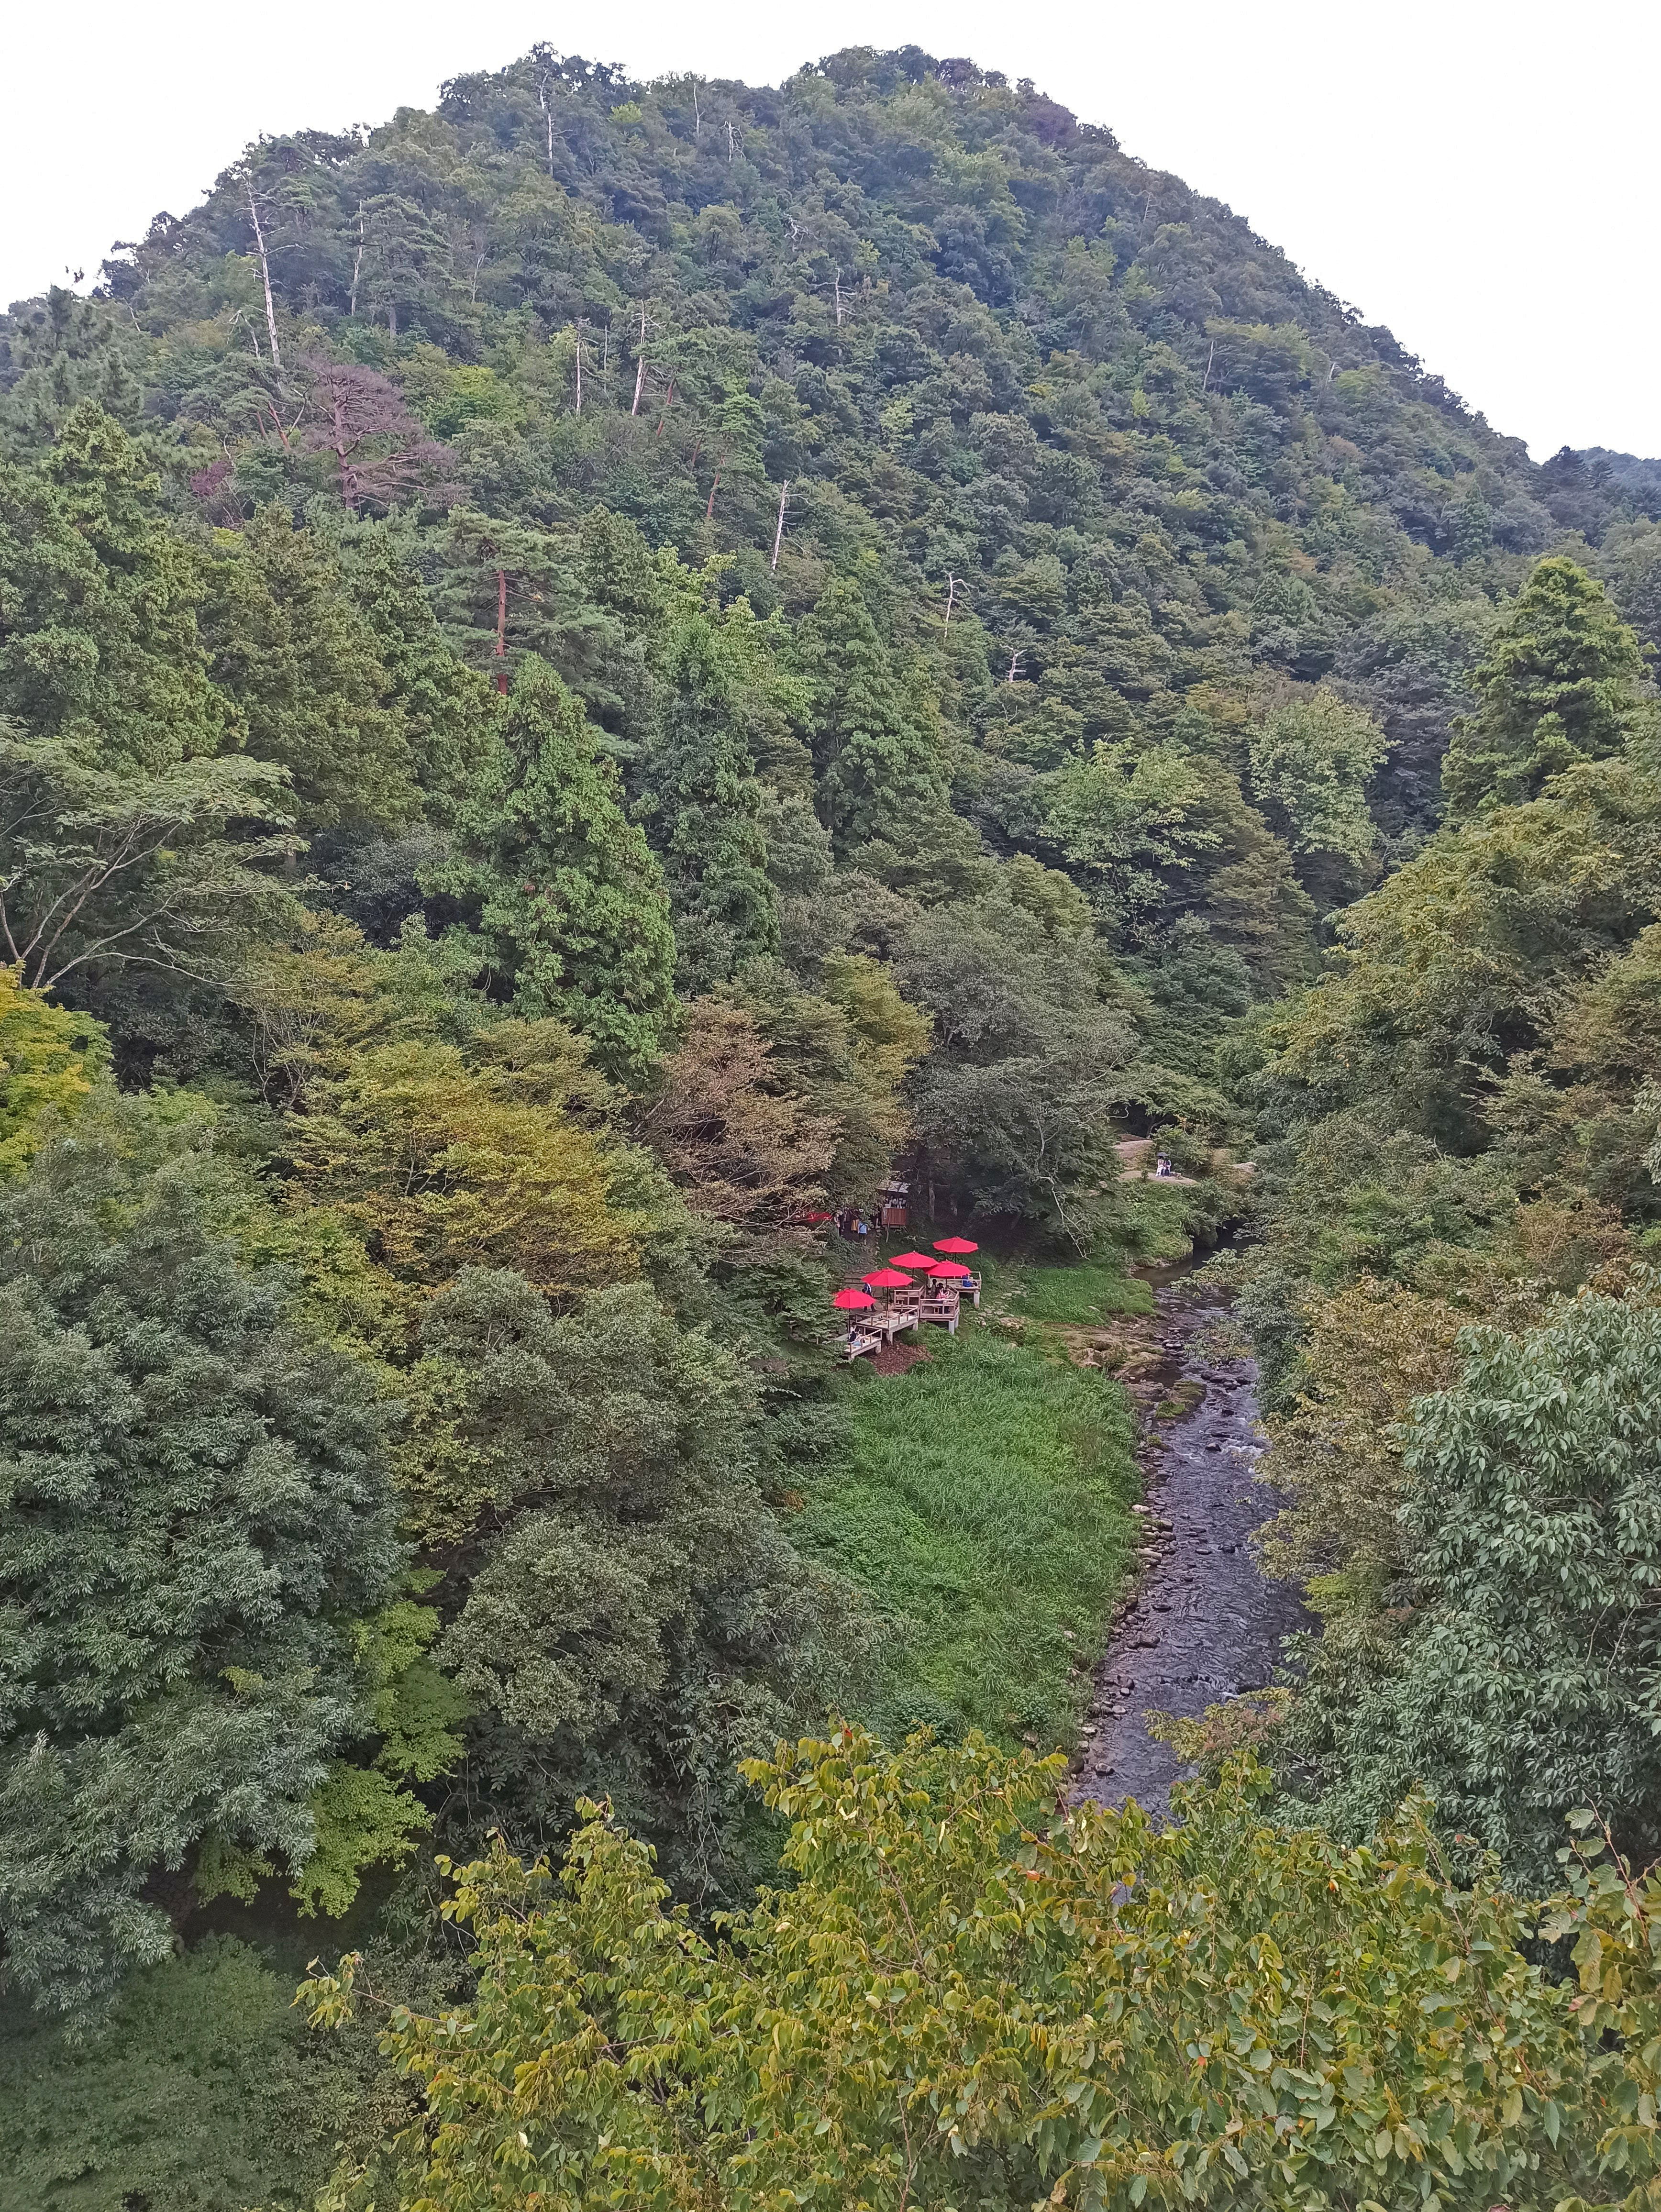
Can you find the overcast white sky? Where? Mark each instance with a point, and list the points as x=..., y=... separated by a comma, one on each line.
x=1480, y=174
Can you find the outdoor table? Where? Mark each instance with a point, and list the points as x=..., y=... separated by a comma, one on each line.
x=891, y=1319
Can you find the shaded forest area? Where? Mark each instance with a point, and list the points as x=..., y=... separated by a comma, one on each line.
x=585, y=677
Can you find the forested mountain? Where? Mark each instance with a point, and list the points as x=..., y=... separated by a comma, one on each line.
x=1639, y=476
x=585, y=677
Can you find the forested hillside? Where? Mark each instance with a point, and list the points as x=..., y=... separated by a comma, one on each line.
x=586, y=678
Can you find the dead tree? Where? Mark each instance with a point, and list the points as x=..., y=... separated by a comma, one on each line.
x=545, y=101
x=778, y=534
x=265, y=271
x=640, y=362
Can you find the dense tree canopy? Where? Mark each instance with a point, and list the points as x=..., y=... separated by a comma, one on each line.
x=587, y=677
x=197, y=1512
x=963, y=1987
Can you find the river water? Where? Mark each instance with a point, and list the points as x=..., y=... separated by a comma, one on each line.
x=1204, y=1623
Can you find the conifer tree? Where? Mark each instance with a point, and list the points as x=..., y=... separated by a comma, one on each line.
x=448, y=716
x=706, y=804
x=571, y=914
x=875, y=744
x=291, y=647
x=1559, y=685
x=99, y=645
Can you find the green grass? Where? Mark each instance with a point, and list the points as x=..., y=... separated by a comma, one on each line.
x=1091, y=1292
x=981, y=1503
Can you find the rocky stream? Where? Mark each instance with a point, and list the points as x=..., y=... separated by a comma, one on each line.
x=1204, y=1623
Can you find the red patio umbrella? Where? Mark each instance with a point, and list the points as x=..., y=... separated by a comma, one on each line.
x=955, y=1244
x=951, y=1270
x=886, y=1279
x=853, y=1301
x=909, y=1259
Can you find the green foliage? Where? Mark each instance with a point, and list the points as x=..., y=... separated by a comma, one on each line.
x=447, y=716
x=107, y=868
x=50, y=1060
x=101, y=598
x=967, y=1991
x=1119, y=814
x=982, y=1502
x=845, y=1050
x=199, y=2094
x=194, y=1506
x=1558, y=686
x=632, y=1609
x=1527, y=1683
x=1016, y=1104
x=125, y=837
x=287, y=643
x=966, y=624
x=1310, y=763
x=1451, y=966
x=876, y=746
x=442, y=1156
x=706, y=803
x=571, y=915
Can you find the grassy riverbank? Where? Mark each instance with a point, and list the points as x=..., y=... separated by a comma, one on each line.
x=983, y=1502
x=1092, y=1291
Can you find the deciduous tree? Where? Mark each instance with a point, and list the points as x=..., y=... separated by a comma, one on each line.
x=195, y=1509
x=962, y=1989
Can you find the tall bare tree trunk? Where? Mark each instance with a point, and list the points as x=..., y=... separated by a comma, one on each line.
x=543, y=87
x=502, y=627
x=640, y=363
x=778, y=535
x=265, y=271
x=357, y=262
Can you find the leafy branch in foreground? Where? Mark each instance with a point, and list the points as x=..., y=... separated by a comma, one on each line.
x=973, y=1994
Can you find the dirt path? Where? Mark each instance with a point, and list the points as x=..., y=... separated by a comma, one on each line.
x=1204, y=1624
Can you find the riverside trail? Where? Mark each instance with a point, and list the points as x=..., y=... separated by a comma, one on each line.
x=1204, y=1624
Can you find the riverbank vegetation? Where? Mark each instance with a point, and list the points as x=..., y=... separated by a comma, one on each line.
x=587, y=679
x=1451, y=1280
x=981, y=1501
